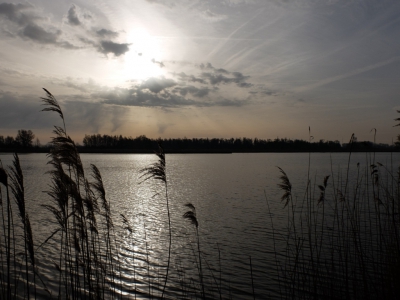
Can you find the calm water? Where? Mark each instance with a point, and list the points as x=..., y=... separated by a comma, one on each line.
x=230, y=193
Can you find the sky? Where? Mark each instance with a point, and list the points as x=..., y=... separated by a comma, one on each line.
x=202, y=68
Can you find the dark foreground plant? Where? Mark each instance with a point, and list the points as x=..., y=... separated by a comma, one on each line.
x=86, y=262
x=190, y=215
x=343, y=242
x=157, y=171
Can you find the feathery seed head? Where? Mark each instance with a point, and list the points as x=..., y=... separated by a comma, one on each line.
x=286, y=186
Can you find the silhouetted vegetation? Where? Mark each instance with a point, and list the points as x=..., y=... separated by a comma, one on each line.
x=97, y=143
x=24, y=141
x=107, y=143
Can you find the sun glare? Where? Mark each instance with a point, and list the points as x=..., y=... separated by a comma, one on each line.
x=142, y=60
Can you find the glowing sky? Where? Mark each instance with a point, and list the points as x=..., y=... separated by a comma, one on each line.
x=202, y=68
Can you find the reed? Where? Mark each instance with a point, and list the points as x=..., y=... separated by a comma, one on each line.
x=341, y=239
x=86, y=263
x=157, y=172
x=190, y=215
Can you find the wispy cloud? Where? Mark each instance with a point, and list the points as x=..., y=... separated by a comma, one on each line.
x=332, y=79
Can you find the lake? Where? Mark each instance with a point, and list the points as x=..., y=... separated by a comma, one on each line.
x=238, y=209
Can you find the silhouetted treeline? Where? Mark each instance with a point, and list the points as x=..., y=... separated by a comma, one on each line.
x=22, y=142
x=142, y=144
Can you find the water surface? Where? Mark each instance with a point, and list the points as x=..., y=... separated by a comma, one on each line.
x=233, y=195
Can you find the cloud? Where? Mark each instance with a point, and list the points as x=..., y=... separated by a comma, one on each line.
x=73, y=17
x=192, y=90
x=183, y=77
x=209, y=66
x=237, y=78
x=117, y=49
x=14, y=13
x=105, y=33
x=139, y=96
x=40, y=35
x=212, y=17
x=159, y=63
x=30, y=26
x=215, y=76
x=351, y=73
x=168, y=3
x=156, y=85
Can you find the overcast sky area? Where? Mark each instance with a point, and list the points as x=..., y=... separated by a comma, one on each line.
x=202, y=68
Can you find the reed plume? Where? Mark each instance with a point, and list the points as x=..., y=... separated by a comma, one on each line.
x=76, y=210
x=322, y=189
x=190, y=215
x=157, y=171
x=286, y=186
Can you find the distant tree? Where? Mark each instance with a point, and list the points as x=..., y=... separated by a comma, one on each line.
x=9, y=141
x=24, y=138
x=37, y=143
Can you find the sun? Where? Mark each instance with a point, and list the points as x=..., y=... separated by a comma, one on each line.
x=142, y=59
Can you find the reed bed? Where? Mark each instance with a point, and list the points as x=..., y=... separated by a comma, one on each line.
x=341, y=239
x=342, y=235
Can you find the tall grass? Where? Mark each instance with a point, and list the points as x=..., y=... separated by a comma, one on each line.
x=342, y=239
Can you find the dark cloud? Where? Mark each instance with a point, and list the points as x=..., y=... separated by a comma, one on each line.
x=105, y=33
x=157, y=85
x=111, y=47
x=209, y=66
x=192, y=90
x=40, y=35
x=29, y=27
x=182, y=76
x=237, y=78
x=216, y=76
x=73, y=17
x=136, y=96
x=34, y=28
x=262, y=90
x=13, y=12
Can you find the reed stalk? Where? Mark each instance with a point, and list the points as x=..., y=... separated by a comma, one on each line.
x=157, y=171
x=191, y=216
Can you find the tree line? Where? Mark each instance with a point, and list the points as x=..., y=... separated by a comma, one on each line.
x=25, y=141
x=219, y=145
